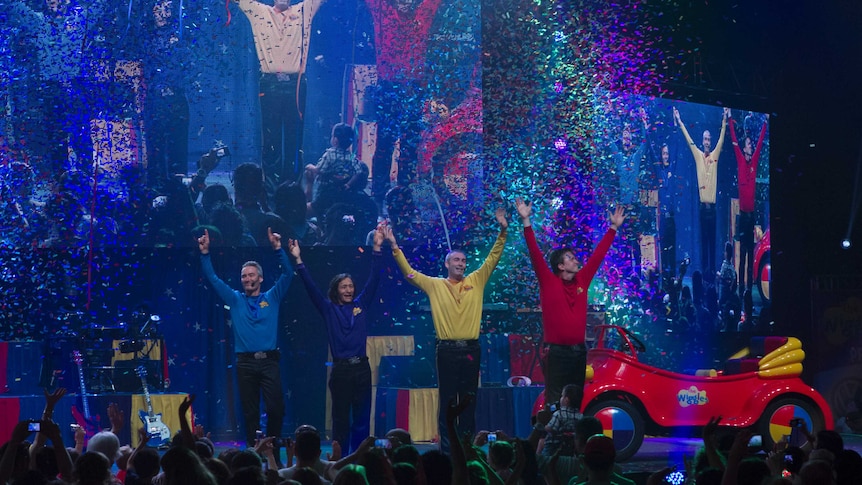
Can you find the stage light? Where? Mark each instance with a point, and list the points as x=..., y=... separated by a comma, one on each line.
x=845, y=244
x=560, y=144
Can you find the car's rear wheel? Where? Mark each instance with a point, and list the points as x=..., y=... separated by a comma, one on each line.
x=775, y=421
x=622, y=422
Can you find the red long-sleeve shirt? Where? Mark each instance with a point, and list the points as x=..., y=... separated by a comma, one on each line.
x=747, y=171
x=564, y=303
x=401, y=39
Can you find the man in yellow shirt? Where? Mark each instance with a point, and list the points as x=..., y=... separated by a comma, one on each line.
x=706, y=163
x=281, y=36
x=456, y=309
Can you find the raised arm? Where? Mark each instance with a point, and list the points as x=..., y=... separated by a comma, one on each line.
x=694, y=149
x=717, y=151
x=281, y=285
x=755, y=157
x=317, y=297
x=414, y=277
x=484, y=271
x=370, y=288
x=188, y=438
x=221, y=288
x=595, y=260
x=737, y=150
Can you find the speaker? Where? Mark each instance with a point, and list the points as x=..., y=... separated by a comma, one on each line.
x=126, y=378
x=407, y=371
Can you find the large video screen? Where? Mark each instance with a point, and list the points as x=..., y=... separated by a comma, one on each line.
x=142, y=123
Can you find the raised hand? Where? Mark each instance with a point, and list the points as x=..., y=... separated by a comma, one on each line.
x=117, y=417
x=336, y=452
x=379, y=237
x=618, y=217
x=53, y=398
x=525, y=209
x=711, y=427
x=454, y=409
x=500, y=215
x=186, y=404
x=293, y=249
x=274, y=239
x=676, y=115
x=389, y=235
x=204, y=242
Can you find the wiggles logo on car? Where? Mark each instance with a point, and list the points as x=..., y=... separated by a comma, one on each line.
x=691, y=397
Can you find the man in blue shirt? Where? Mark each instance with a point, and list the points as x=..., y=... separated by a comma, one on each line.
x=254, y=316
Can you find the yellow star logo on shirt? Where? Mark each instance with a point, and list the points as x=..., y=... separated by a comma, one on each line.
x=264, y=304
x=356, y=311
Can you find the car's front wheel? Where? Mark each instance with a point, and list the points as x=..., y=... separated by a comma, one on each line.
x=622, y=422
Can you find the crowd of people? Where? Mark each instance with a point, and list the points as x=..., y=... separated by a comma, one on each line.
x=558, y=450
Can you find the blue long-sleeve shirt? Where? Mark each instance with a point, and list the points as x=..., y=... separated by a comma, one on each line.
x=347, y=325
x=254, y=318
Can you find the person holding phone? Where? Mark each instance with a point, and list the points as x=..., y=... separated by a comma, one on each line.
x=345, y=315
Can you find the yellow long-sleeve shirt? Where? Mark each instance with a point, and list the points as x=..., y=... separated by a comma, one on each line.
x=706, y=164
x=456, y=309
x=281, y=38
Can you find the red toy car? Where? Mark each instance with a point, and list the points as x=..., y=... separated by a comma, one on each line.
x=759, y=386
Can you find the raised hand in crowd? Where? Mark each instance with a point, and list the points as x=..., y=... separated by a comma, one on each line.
x=204, y=242
x=274, y=239
x=117, y=417
x=336, y=452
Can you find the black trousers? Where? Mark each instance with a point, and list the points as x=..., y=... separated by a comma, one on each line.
x=167, y=123
x=745, y=231
x=282, y=101
x=707, y=238
x=398, y=110
x=457, y=376
x=256, y=377
x=567, y=364
x=350, y=385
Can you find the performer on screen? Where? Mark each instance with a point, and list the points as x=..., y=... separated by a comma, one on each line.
x=254, y=317
x=166, y=109
x=401, y=30
x=563, y=296
x=281, y=38
x=706, y=163
x=746, y=164
x=456, y=310
x=346, y=317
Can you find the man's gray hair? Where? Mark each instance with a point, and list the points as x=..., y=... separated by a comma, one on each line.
x=256, y=265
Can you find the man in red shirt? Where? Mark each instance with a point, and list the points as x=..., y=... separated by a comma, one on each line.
x=746, y=164
x=563, y=297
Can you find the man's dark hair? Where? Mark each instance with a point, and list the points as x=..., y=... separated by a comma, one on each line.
x=556, y=258
x=333, y=286
x=147, y=462
x=586, y=427
x=250, y=475
x=344, y=134
x=438, y=467
x=503, y=454
x=214, y=194
x=406, y=454
x=307, y=446
x=248, y=182
x=574, y=392
x=246, y=458
x=828, y=439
